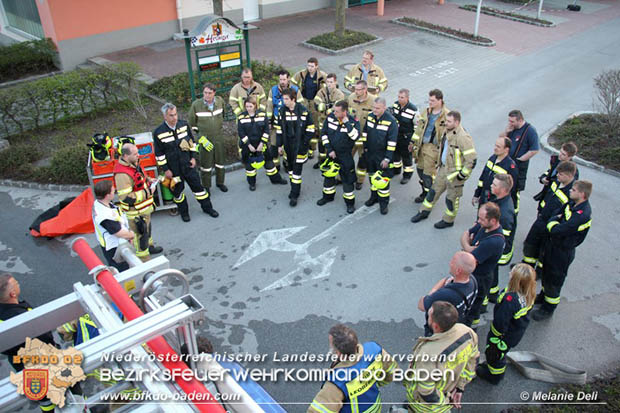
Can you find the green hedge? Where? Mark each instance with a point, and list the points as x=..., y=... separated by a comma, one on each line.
x=27, y=58
x=34, y=104
x=176, y=89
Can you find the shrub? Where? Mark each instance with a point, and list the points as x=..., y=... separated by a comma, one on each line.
x=335, y=42
x=16, y=161
x=27, y=58
x=68, y=165
x=607, y=86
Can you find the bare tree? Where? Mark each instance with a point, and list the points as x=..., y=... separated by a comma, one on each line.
x=341, y=8
x=607, y=86
x=218, y=7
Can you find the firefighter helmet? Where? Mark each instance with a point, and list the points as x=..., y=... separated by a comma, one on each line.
x=379, y=181
x=123, y=139
x=330, y=168
x=257, y=161
x=100, y=147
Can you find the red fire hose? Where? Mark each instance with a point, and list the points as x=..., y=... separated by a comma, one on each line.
x=205, y=402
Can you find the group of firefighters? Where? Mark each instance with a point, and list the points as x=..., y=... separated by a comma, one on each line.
x=307, y=116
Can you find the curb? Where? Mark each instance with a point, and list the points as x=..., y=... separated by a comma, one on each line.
x=544, y=142
x=78, y=188
x=341, y=51
x=513, y=18
x=29, y=79
x=426, y=29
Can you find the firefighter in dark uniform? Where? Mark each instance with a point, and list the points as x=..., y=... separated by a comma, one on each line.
x=294, y=129
x=510, y=320
x=379, y=139
x=338, y=137
x=356, y=395
x=566, y=232
x=11, y=306
x=253, y=129
x=567, y=152
x=325, y=100
x=555, y=199
x=500, y=188
x=176, y=154
x=404, y=111
x=485, y=242
x=498, y=163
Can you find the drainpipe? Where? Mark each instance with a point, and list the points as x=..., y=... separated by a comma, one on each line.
x=180, y=14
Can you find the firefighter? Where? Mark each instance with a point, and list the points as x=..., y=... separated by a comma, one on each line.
x=110, y=223
x=501, y=188
x=555, y=199
x=360, y=106
x=274, y=104
x=452, y=351
x=253, y=129
x=567, y=231
x=524, y=146
x=136, y=198
x=457, y=158
x=338, y=137
x=176, y=152
x=510, y=320
x=498, y=163
x=404, y=111
x=368, y=71
x=567, y=152
x=294, y=129
x=244, y=89
x=485, y=241
x=325, y=100
x=426, y=138
x=379, y=139
x=11, y=306
x=345, y=390
x=310, y=81
x=206, y=117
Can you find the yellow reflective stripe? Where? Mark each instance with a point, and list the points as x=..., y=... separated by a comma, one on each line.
x=495, y=331
x=452, y=175
x=585, y=226
x=144, y=204
x=495, y=168
x=495, y=371
x=68, y=328
x=124, y=191
x=551, y=225
x=552, y=300
x=522, y=312
x=457, y=159
x=567, y=212
x=506, y=232
x=320, y=408
x=468, y=151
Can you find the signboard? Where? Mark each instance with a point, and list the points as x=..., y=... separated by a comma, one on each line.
x=218, y=31
x=219, y=61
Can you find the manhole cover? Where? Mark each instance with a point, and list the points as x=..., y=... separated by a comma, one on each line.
x=347, y=66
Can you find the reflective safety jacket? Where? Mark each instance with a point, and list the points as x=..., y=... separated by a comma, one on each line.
x=551, y=175
x=379, y=137
x=238, y=95
x=253, y=129
x=174, y=148
x=570, y=229
x=491, y=168
x=508, y=222
x=294, y=129
x=360, y=109
x=81, y=330
x=110, y=212
x=325, y=100
x=132, y=189
x=554, y=200
x=405, y=117
x=339, y=137
x=461, y=157
x=510, y=317
x=377, y=82
x=299, y=79
x=361, y=393
x=204, y=121
x=274, y=101
x=455, y=350
x=438, y=128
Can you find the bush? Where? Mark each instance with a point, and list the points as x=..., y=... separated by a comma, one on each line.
x=607, y=86
x=27, y=58
x=16, y=161
x=333, y=42
x=68, y=165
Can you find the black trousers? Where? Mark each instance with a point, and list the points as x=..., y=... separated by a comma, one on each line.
x=484, y=284
x=190, y=175
x=109, y=257
x=404, y=157
x=556, y=261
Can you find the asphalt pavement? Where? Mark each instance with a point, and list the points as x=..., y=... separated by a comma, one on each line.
x=275, y=278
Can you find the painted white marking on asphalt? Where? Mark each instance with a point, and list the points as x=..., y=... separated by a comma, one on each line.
x=12, y=263
x=432, y=68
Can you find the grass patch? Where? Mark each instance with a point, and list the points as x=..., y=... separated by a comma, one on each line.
x=61, y=149
x=491, y=11
x=333, y=42
x=447, y=30
x=589, y=133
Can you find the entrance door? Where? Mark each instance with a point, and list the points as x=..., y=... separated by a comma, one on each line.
x=250, y=10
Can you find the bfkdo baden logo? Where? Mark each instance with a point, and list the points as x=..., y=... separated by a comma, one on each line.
x=36, y=383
